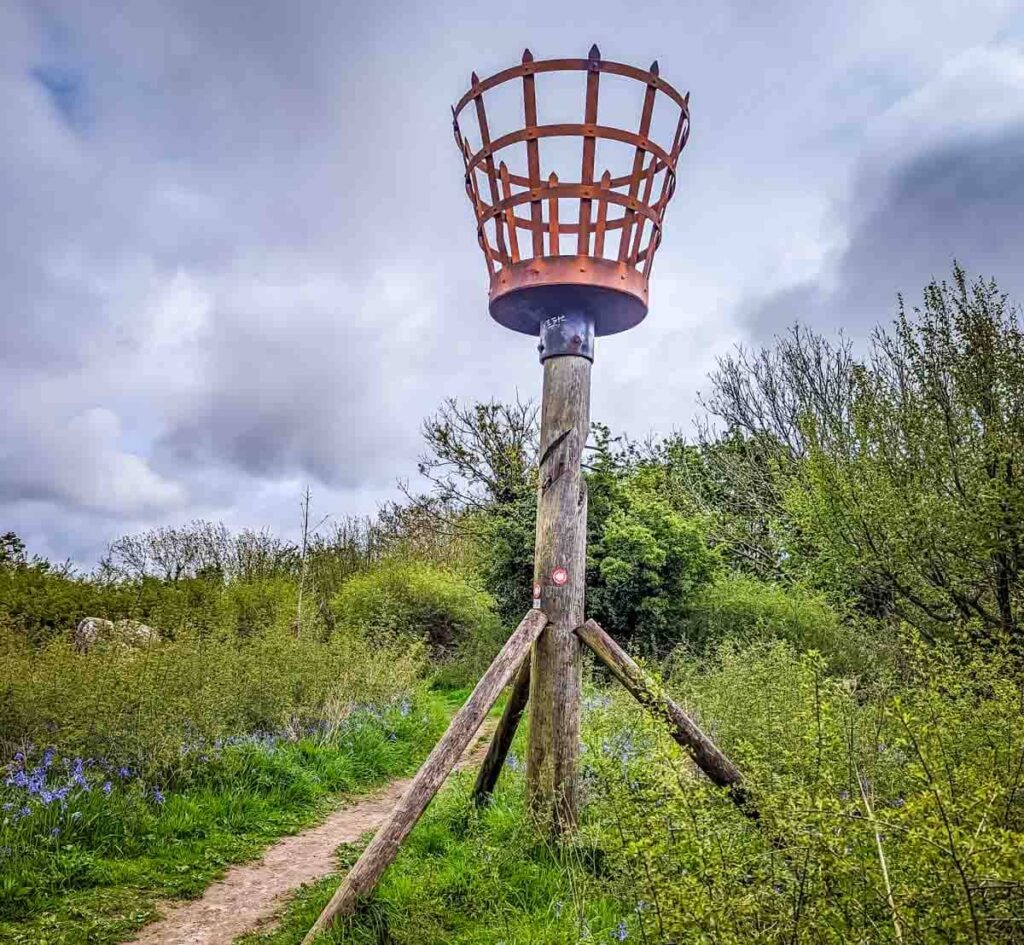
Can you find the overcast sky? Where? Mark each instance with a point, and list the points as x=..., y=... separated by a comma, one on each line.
x=237, y=256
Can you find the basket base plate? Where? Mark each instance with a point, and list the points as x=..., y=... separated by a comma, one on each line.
x=524, y=309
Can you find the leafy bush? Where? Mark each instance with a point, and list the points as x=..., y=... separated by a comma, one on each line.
x=143, y=708
x=744, y=608
x=888, y=813
x=646, y=561
x=418, y=600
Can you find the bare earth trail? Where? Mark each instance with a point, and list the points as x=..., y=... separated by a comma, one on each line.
x=252, y=894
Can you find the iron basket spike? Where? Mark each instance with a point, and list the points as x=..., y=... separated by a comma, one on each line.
x=616, y=226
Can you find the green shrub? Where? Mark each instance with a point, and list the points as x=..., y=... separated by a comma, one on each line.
x=422, y=601
x=645, y=562
x=891, y=812
x=139, y=707
x=740, y=607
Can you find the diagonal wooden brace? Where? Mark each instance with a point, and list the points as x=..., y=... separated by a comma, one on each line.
x=383, y=848
x=708, y=757
x=501, y=742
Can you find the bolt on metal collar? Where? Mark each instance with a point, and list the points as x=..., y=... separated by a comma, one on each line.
x=568, y=334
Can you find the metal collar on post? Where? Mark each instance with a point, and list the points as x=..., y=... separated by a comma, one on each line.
x=568, y=334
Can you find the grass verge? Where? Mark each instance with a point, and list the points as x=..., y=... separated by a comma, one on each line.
x=97, y=874
x=466, y=877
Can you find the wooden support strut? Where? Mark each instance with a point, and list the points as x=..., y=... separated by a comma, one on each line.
x=708, y=757
x=383, y=848
x=501, y=741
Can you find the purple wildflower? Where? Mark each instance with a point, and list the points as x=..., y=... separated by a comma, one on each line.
x=621, y=932
x=107, y=787
x=158, y=795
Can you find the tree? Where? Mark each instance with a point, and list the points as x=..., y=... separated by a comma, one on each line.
x=754, y=441
x=920, y=491
x=480, y=455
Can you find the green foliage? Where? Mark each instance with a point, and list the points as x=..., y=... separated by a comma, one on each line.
x=139, y=707
x=504, y=544
x=890, y=482
x=649, y=561
x=413, y=599
x=919, y=493
x=645, y=559
x=743, y=608
x=888, y=812
x=40, y=600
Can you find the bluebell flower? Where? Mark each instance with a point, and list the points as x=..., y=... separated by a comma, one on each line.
x=107, y=787
x=158, y=795
x=55, y=832
x=25, y=812
x=621, y=932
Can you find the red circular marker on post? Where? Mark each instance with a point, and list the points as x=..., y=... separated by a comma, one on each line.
x=559, y=576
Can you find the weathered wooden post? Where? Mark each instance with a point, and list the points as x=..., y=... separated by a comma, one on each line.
x=581, y=271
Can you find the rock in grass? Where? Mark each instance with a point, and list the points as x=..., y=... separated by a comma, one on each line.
x=127, y=633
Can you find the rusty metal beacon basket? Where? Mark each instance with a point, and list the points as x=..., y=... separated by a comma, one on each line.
x=556, y=246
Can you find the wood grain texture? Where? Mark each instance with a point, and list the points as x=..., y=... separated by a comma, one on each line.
x=501, y=742
x=383, y=848
x=707, y=756
x=553, y=744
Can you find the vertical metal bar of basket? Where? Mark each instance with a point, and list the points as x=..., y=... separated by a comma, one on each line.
x=645, y=200
x=638, y=161
x=553, y=246
x=532, y=153
x=492, y=180
x=510, y=213
x=602, y=215
x=589, y=147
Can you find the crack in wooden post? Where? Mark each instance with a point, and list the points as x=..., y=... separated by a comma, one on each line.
x=383, y=848
x=686, y=732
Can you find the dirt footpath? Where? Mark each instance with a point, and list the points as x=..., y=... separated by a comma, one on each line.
x=252, y=894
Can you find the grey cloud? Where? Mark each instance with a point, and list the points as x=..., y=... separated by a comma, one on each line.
x=963, y=200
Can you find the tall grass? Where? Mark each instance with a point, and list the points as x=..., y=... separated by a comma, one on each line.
x=151, y=708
